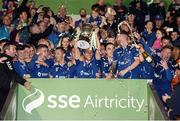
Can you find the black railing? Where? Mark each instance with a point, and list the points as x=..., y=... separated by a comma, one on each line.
x=9, y=109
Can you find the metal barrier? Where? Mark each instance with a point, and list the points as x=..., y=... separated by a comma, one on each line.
x=9, y=110
x=156, y=110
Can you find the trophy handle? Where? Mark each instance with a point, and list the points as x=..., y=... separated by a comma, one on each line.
x=132, y=35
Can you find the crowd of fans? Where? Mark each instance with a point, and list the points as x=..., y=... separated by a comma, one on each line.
x=46, y=47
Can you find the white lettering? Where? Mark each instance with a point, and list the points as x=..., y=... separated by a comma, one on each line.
x=88, y=102
x=62, y=101
x=74, y=101
x=51, y=99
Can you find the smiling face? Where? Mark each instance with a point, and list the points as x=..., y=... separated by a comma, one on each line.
x=88, y=54
x=62, y=11
x=35, y=29
x=174, y=36
x=42, y=26
x=6, y=20
x=61, y=27
x=11, y=51
x=21, y=54
x=166, y=54
x=95, y=13
x=165, y=42
x=83, y=13
x=104, y=34
x=43, y=52
x=59, y=54
x=159, y=34
x=123, y=40
x=109, y=50
x=10, y=5
x=131, y=17
x=124, y=27
x=27, y=52
x=23, y=16
x=65, y=42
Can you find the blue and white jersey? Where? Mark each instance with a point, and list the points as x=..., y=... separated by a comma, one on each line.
x=125, y=57
x=21, y=68
x=161, y=77
x=105, y=65
x=59, y=71
x=85, y=69
x=37, y=70
x=40, y=71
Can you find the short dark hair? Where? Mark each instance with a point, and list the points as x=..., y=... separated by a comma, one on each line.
x=46, y=16
x=20, y=47
x=167, y=47
x=42, y=46
x=61, y=48
x=103, y=44
x=7, y=46
x=27, y=46
x=166, y=38
x=109, y=44
x=148, y=22
x=3, y=41
x=124, y=32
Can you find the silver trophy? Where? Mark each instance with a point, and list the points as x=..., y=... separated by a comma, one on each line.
x=85, y=36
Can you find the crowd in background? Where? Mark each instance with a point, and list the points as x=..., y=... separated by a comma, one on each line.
x=43, y=43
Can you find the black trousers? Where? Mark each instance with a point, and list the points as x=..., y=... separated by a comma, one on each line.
x=3, y=96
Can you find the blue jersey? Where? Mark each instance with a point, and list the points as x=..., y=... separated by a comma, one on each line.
x=40, y=71
x=149, y=37
x=105, y=65
x=72, y=71
x=98, y=20
x=162, y=78
x=54, y=38
x=86, y=69
x=59, y=71
x=21, y=68
x=145, y=70
x=37, y=70
x=68, y=55
x=79, y=23
x=125, y=57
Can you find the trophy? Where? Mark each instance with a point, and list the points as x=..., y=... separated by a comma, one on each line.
x=85, y=36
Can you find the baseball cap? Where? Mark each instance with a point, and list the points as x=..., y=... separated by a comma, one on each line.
x=159, y=17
